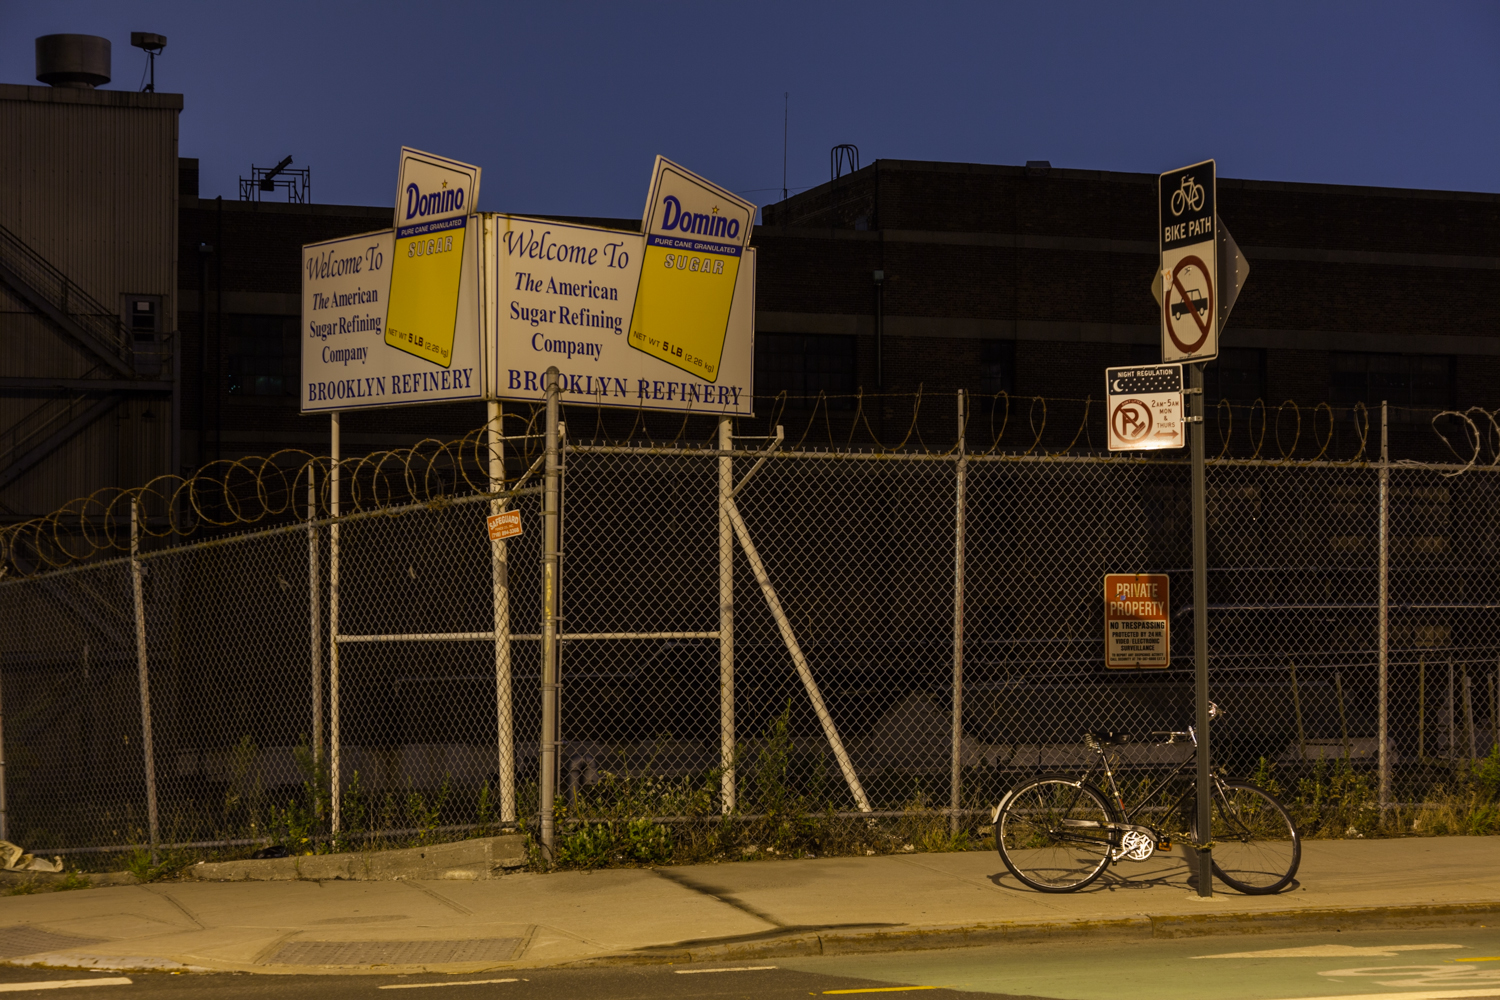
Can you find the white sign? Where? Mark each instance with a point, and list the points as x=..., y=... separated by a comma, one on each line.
x=348, y=362
x=562, y=294
x=1188, y=276
x=1144, y=407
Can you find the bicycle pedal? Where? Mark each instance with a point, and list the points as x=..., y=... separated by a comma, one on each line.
x=1164, y=844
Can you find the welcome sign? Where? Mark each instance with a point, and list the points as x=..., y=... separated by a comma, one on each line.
x=563, y=294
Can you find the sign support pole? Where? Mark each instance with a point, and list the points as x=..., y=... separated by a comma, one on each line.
x=726, y=618
x=315, y=627
x=1197, y=429
x=500, y=583
x=335, y=792
x=547, y=770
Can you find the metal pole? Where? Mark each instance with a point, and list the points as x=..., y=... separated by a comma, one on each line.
x=1200, y=630
x=505, y=735
x=314, y=615
x=148, y=749
x=804, y=671
x=1385, y=608
x=726, y=619
x=961, y=469
x=334, y=775
x=547, y=769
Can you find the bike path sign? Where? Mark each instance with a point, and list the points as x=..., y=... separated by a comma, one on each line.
x=1137, y=623
x=1188, y=277
x=1144, y=407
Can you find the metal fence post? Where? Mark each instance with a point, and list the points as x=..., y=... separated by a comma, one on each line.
x=547, y=762
x=505, y=736
x=4, y=816
x=334, y=776
x=314, y=622
x=726, y=619
x=1385, y=608
x=961, y=468
x=147, y=746
x=1199, y=432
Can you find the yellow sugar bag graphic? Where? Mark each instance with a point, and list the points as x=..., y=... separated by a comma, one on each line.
x=433, y=202
x=696, y=234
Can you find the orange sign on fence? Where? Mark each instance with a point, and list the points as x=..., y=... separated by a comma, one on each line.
x=506, y=525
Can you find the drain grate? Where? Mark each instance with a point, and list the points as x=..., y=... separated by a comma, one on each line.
x=393, y=952
x=22, y=940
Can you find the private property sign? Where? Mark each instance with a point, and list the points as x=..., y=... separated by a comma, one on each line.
x=1137, y=626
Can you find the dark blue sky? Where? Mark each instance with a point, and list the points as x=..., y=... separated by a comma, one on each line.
x=564, y=105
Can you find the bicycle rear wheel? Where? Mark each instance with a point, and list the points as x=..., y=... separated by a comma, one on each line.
x=1053, y=833
x=1256, y=847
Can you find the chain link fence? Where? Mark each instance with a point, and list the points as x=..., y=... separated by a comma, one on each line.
x=757, y=643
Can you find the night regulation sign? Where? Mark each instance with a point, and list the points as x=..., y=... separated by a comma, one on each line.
x=1188, y=239
x=1144, y=407
x=1137, y=630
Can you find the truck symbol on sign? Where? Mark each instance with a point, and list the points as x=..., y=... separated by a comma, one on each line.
x=1200, y=303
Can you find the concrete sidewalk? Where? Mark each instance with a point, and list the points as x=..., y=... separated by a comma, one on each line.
x=720, y=912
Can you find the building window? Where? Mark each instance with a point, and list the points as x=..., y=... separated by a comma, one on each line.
x=143, y=317
x=262, y=354
x=1419, y=380
x=805, y=364
x=1238, y=374
x=997, y=366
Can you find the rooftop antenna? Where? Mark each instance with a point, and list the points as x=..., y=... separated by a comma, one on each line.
x=151, y=43
x=786, y=111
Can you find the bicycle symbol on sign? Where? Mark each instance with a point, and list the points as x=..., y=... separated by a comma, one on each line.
x=1189, y=195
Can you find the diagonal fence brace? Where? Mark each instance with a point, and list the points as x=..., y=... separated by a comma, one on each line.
x=803, y=670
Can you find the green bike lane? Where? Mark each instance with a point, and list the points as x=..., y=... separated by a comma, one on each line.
x=1404, y=964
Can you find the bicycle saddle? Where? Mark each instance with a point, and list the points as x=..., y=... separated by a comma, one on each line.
x=1094, y=740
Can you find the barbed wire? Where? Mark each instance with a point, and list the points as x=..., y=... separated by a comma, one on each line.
x=260, y=490
x=272, y=489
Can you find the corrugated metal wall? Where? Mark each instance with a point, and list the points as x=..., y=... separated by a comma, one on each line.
x=88, y=179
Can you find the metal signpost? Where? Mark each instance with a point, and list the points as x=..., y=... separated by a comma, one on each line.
x=1187, y=236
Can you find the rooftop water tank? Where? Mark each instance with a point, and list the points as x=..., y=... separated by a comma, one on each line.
x=79, y=61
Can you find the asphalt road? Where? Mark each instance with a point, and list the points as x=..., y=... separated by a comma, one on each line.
x=1399, y=965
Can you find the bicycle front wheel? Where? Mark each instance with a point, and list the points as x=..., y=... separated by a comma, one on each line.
x=1053, y=833
x=1256, y=847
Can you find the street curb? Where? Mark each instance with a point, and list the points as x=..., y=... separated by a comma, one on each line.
x=807, y=942
x=804, y=942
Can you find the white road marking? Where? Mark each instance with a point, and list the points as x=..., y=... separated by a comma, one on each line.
x=464, y=982
x=63, y=984
x=1335, y=951
x=737, y=968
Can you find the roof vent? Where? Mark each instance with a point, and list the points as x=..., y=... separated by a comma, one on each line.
x=78, y=61
x=1038, y=168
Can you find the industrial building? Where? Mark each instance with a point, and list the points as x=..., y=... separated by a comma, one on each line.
x=157, y=327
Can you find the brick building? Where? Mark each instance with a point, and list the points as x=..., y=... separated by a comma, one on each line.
x=903, y=274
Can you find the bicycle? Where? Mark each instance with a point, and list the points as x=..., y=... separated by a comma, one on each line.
x=1058, y=832
x=1188, y=195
